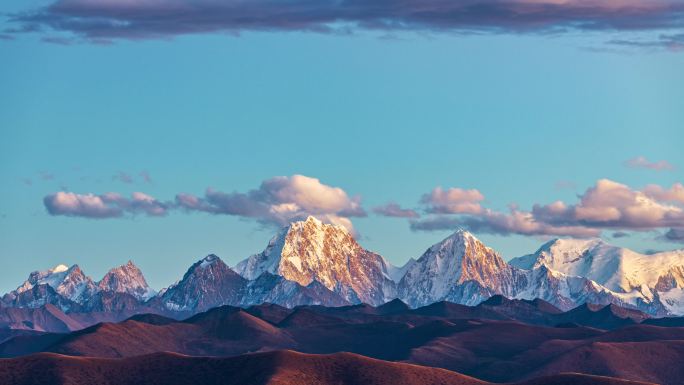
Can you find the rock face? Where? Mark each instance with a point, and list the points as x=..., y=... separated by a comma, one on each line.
x=566, y=273
x=459, y=269
x=312, y=263
x=60, y=286
x=70, y=290
x=309, y=251
x=126, y=279
x=652, y=283
x=269, y=288
x=207, y=283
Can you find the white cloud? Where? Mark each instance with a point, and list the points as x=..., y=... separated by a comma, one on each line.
x=606, y=205
x=453, y=201
x=107, y=205
x=280, y=200
x=642, y=162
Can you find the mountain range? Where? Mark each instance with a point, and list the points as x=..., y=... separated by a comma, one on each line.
x=498, y=341
x=312, y=263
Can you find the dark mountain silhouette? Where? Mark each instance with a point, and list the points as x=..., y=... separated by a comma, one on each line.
x=439, y=335
x=666, y=322
x=272, y=368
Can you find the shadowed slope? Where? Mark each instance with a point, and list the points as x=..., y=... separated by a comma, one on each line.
x=273, y=368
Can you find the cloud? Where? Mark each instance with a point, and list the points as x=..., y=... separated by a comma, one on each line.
x=565, y=185
x=123, y=177
x=280, y=200
x=671, y=42
x=453, y=201
x=609, y=204
x=674, y=235
x=108, y=205
x=394, y=210
x=143, y=19
x=620, y=234
x=145, y=176
x=606, y=205
x=58, y=40
x=46, y=176
x=673, y=194
x=498, y=223
x=642, y=162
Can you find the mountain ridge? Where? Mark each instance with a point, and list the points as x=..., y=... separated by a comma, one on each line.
x=313, y=263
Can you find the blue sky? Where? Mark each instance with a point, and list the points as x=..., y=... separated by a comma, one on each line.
x=525, y=119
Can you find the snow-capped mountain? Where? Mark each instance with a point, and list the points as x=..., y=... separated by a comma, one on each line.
x=126, y=279
x=71, y=290
x=269, y=288
x=312, y=263
x=68, y=282
x=311, y=251
x=209, y=282
x=655, y=281
x=459, y=269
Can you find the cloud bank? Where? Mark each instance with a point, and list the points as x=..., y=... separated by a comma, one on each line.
x=143, y=19
x=280, y=200
x=277, y=201
x=453, y=201
x=108, y=205
x=606, y=205
x=394, y=210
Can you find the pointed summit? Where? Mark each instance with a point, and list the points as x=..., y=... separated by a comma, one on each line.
x=209, y=260
x=310, y=250
x=70, y=283
x=208, y=283
x=460, y=269
x=126, y=279
x=618, y=269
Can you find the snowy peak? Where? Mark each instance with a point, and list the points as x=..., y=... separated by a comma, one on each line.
x=562, y=252
x=460, y=268
x=310, y=250
x=209, y=260
x=462, y=257
x=58, y=269
x=126, y=279
x=70, y=282
x=619, y=269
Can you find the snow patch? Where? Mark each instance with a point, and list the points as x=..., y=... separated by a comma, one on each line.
x=59, y=268
x=296, y=261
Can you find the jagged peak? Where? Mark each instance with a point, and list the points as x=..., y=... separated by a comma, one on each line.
x=312, y=219
x=60, y=270
x=462, y=235
x=126, y=266
x=313, y=222
x=460, y=239
x=74, y=269
x=209, y=260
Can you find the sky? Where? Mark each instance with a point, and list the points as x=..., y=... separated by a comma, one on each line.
x=127, y=133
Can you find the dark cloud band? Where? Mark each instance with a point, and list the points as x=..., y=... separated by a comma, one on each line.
x=142, y=19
